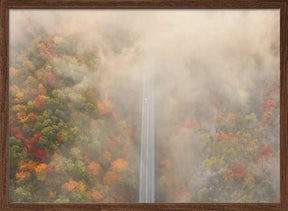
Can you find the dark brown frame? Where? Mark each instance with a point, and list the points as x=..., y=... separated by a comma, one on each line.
x=5, y=5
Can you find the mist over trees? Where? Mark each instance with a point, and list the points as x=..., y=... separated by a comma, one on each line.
x=67, y=144
x=75, y=93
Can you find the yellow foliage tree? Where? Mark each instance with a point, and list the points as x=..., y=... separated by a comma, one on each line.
x=22, y=175
x=30, y=165
x=71, y=185
x=42, y=89
x=228, y=174
x=41, y=171
x=97, y=196
x=110, y=178
x=118, y=165
x=94, y=169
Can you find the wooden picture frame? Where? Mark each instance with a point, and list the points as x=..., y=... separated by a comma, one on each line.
x=282, y=5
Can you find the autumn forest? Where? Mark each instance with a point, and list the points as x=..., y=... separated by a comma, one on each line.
x=75, y=91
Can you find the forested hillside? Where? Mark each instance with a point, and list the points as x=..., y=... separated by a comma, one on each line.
x=67, y=144
x=213, y=145
x=76, y=99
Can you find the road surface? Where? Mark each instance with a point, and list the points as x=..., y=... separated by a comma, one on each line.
x=147, y=180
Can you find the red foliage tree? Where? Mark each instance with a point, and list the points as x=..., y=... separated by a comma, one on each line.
x=31, y=116
x=41, y=154
x=268, y=105
x=267, y=150
x=20, y=136
x=38, y=101
x=51, y=79
x=239, y=170
x=35, y=137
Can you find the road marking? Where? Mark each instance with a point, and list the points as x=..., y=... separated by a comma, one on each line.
x=147, y=143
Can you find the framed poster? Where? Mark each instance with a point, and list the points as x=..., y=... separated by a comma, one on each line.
x=144, y=105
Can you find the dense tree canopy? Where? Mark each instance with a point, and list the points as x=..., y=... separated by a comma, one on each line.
x=75, y=93
x=66, y=142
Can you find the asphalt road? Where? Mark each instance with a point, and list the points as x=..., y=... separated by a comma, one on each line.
x=147, y=177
